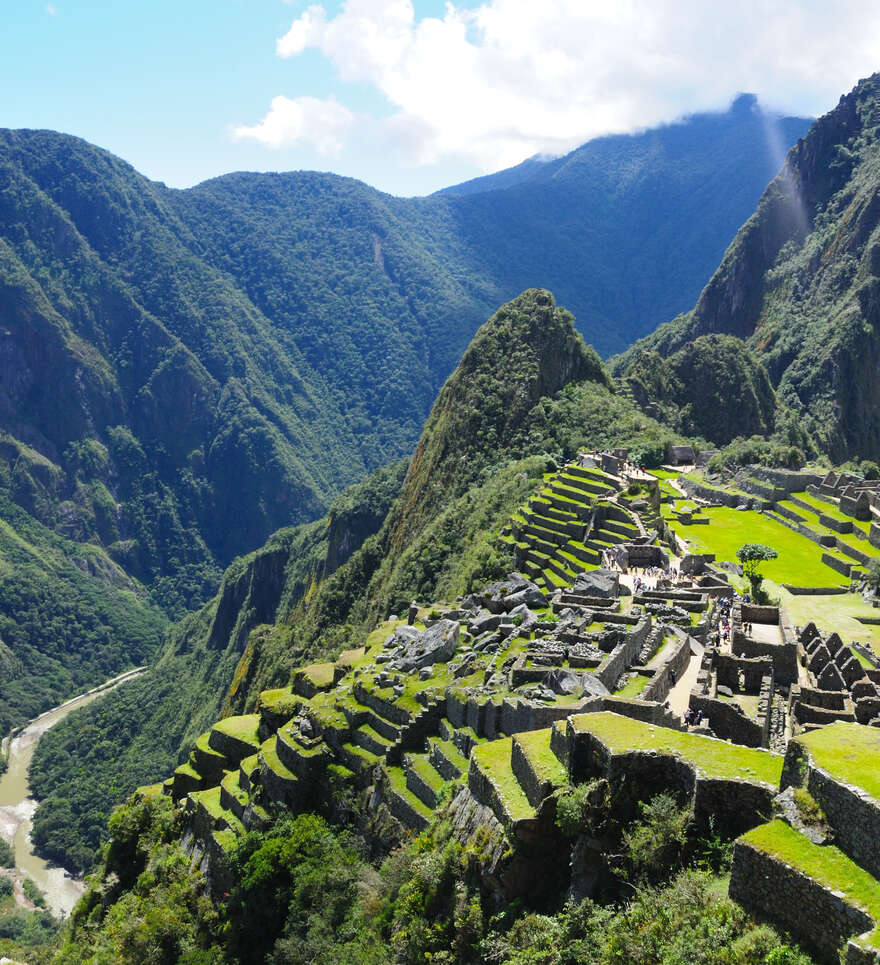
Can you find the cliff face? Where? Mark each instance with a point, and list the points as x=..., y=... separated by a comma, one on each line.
x=800, y=281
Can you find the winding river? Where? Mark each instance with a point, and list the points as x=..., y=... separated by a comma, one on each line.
x=17, y=807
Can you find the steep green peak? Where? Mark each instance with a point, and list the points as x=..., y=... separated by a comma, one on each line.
x=535, y=341
x=527, y=350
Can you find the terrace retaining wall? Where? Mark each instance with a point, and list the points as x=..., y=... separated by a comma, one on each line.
x=728, y=723
x=770, y=889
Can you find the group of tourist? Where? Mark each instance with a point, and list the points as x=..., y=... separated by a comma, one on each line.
x=693, y=718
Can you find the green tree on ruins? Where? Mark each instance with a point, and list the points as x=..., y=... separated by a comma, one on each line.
x=751, y=556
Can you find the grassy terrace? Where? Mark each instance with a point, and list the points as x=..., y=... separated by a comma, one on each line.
x=242, y=728
x=633, y=687
x=838, y=612
x=320, y=675
x=546, y=765
x=425, y=770
x=273, y=761
x=714, y=758
x=826, y=864
x=397, y=780
x=829, y=509
x=849, y=752
x=493, y=758
x=799, y=561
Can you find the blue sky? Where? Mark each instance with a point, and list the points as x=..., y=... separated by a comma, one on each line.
x=408, y=96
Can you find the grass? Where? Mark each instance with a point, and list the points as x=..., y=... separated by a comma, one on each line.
x=546, y=765
x=849, y=752
x=837, y=612
x=452, y=754
x=828, y=509
x=799, y=561
x=633, y=687
x=426, y=771
x=242, y=728
x=270, y=755
x=493, y=758
x=397, y=780
x=663, y=474
x=714, y=758
x=320, y=675
x=825, y=864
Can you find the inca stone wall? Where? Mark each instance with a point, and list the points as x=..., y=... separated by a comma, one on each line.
x=772, y=890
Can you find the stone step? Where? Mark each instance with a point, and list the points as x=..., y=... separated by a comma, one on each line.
x=370, y=739
x=583, y=553
x=280, y=785
x=493, y=783
x=590, y=475
x=402, y=802
x=248, y=772
x=302, y=760
x=536, y=766
x=540, y=507
x=232, y=796
x=236, y=737
x=446, y=758
x=423, y=779
x=591, y=487
x=358, y=759
x=573, y=494
x=210, y=815
x=628, y=532
x=359, y=714
x=818, y=893
x=207, y=761
x=466, y=739
x=538, y=545
x=186, y=779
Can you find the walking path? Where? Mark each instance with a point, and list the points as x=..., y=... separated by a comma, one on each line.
x=680, y=695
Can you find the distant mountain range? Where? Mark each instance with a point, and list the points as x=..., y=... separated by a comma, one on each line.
x=799, y=290
x=184, y=372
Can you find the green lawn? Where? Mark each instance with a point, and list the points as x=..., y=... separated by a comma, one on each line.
x=829, y=509
x=799, y=559
x=320, y=675
x=847, y=751
x=825, y=864
x=663, y=473
x=811, y=519
x=536, y=747
x=493, y=757
x=242, y=728
x=715, y=758
x=837, y=612
x=633, y=687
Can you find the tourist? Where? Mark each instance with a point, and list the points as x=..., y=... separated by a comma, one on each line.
x=672, y=676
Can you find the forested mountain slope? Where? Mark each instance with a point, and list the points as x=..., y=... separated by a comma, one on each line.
x=800, y=284
x=184, y=372
x=429, y=533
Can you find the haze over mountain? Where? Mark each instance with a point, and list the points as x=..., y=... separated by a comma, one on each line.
x=799, y=289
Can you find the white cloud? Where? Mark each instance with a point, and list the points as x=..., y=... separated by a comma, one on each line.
x=514, y=77
x=321, y=123
x=51, y=9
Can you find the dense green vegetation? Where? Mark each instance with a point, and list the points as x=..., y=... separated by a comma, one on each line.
x=137, y=733
x=70, y=618
x=713, y=387
x=302, y=891
x=195, y=369
x=799, y=284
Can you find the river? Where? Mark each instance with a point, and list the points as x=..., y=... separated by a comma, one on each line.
x=17, y=807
